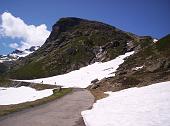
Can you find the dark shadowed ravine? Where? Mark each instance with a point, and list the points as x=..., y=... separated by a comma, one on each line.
x=65, y=111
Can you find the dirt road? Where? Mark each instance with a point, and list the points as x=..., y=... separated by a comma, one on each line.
x=62, y=112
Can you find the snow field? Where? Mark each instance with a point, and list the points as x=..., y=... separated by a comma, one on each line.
x=145, y=106
x=82, y=78
x=21, y=94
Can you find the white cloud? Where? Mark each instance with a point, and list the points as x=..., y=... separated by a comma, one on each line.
x=30, y=35
x=14, y=45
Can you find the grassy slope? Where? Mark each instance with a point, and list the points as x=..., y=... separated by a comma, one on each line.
x=4, y=82
x=163, y=45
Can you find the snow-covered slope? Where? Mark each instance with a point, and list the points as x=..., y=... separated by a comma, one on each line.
x=20, y=54
x=4, y=58
x=21, y=94
x=17, y=54
x=83, y=77
x=155, y=40
x=145, y=106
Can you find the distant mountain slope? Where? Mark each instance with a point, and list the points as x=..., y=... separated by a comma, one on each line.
x=74, y=43
x=17, y=54
x=7, y=61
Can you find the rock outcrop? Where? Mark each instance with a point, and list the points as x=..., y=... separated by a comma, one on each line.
x=150, y=64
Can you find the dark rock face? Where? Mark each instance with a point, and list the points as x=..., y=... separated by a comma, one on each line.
x=33, y=48
x=94, y=81
x=16, y=51
x=1, y=56
x=72, y=44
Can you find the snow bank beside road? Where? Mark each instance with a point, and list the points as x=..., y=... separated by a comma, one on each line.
x=83, y=77
x=21, y=94
x=78, y=78
x=145, y=106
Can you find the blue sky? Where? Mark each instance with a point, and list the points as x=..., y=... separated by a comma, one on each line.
x=142, y=17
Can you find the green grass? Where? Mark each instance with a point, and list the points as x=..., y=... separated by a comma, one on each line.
x=29, y=71
x=7, y=109
x=163, y=45
x=4, y=82
x=3, y=68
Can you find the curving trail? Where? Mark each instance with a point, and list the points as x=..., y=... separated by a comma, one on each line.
x=65, y=111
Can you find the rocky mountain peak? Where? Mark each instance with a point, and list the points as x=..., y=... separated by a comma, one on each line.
x=74, y=43
x=32, y=48
x=16, y=51
x=64, y=23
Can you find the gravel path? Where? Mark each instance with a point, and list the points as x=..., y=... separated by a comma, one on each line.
x=62, y=112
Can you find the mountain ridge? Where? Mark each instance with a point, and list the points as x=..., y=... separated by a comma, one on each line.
x=16, y=54
x=75, y=43
x=72, y=44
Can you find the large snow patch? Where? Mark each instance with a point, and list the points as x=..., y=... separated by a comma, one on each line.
x=21, y=94
x=145, y=106
x=83, y=77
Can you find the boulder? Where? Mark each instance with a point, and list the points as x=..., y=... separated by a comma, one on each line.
x=156, y=66
x=94, y=81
